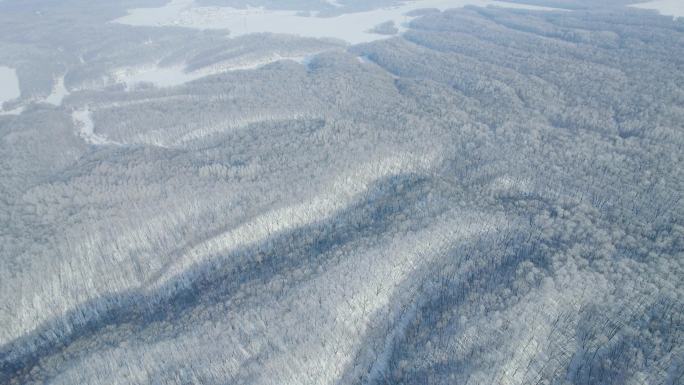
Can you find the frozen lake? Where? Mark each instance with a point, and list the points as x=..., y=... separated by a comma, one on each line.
x=9, y=85
x=674, y=8
x=351, y=27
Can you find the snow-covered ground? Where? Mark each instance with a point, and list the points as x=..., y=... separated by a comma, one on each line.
x=59, y=92
x=9, y=85
x=674, y=8
x=159, y=76
x=176, y=75
x=351, y=27
x=9, y=90
x=83, y=120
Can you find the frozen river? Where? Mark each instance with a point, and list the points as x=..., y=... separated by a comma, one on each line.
x=351, y=27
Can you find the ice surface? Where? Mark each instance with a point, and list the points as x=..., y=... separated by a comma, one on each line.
x=9, y=85
x=351, y=27
x=673, y=8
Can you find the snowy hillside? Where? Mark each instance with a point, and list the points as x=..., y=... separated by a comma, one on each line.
x=341, y=192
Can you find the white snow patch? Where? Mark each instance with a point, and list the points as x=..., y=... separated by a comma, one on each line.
x=176, y=75
x=9, y=85
x=254, y=63
x=159, y=76
x=59, y=92
x=334, y=3
x=351, y=27
x=239, y=123
x=363, y=59
x=506, y=183
x=14, y=111
x=84, y=122
x=674, y=8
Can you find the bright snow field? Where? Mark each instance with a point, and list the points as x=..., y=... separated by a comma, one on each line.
x=674, y=8
x=9, y=85
x=351, y=27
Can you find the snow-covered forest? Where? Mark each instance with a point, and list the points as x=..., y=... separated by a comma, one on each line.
x=470, y=193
